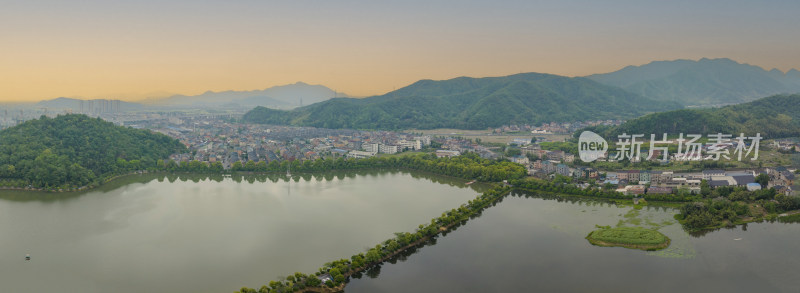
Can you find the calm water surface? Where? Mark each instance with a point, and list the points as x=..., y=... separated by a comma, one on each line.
x=196, y=234
x=538, y=245
x=158, y=233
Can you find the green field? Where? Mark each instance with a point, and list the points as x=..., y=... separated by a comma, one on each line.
x=629, y=237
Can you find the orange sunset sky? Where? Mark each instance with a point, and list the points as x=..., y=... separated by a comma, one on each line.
x=137, y=49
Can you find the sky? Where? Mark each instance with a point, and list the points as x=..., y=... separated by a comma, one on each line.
x=138, y=49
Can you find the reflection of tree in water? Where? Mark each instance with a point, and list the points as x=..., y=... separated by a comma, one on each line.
x=374, y=271
x=343, y=175
x=25, y=196
x=562, y=198
x=251, y=178
x=701, y=233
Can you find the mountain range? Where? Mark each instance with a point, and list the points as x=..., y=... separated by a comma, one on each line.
x=471, y=103
x=282, y=97
x=278, y=97
x=706, y=82
x=477, y=103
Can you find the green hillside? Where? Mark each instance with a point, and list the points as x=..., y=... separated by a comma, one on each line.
x=471, y=103
x=704, y=82
x=75, y=150
x=773, y=117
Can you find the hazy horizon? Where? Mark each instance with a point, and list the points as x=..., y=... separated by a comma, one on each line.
x=133, y=51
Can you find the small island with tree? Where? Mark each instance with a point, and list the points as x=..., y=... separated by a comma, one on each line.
x=629, y=237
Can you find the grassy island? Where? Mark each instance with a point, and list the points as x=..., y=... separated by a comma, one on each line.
x=629, y=237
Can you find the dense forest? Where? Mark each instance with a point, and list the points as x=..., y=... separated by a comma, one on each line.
x=773, y=117
x=471, y=103
x=72, y=151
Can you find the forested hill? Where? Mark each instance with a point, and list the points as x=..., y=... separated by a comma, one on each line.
x=471, y=103
x=773, y=117
x=703, y=82
x=75, y=150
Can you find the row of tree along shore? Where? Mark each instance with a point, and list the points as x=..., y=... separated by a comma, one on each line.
x=467, y=166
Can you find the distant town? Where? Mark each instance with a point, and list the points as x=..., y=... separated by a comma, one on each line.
x=214, y=138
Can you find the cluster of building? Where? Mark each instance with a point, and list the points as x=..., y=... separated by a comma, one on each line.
x=545, y=161
x=636, y=182
x=554, y=127
x=99, y=106
x=786, y=145
x=782, y=179
x=215, y=139
x=453, y=146
x=10, y=116
x=390, y=146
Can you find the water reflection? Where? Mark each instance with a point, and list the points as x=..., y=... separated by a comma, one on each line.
x=207, y=233
x=251, y=178
x=535, y=242
x=375, y=271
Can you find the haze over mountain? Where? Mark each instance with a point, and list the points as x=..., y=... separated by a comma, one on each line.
x=88, y=105
x=284, y=97
x=704, y=82
x=471, y=103
x=773, y=117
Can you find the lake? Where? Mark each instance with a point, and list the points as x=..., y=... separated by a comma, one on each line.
x=188, y=233
x=157, y=233
x=538, y=245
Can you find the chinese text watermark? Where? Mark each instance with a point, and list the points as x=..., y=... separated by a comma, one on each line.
x=592, y=146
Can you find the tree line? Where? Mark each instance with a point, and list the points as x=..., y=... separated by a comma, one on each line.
x=466, y=166
x=533, y=184
x=726, y=206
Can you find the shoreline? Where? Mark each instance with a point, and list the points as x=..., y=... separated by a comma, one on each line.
x=78, y=189
x=144, y=172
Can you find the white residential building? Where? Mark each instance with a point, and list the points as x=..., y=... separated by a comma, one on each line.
x=405, y=144
x=388, y=149
x=373, y=148
x=425, y=139
x=359, y=154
